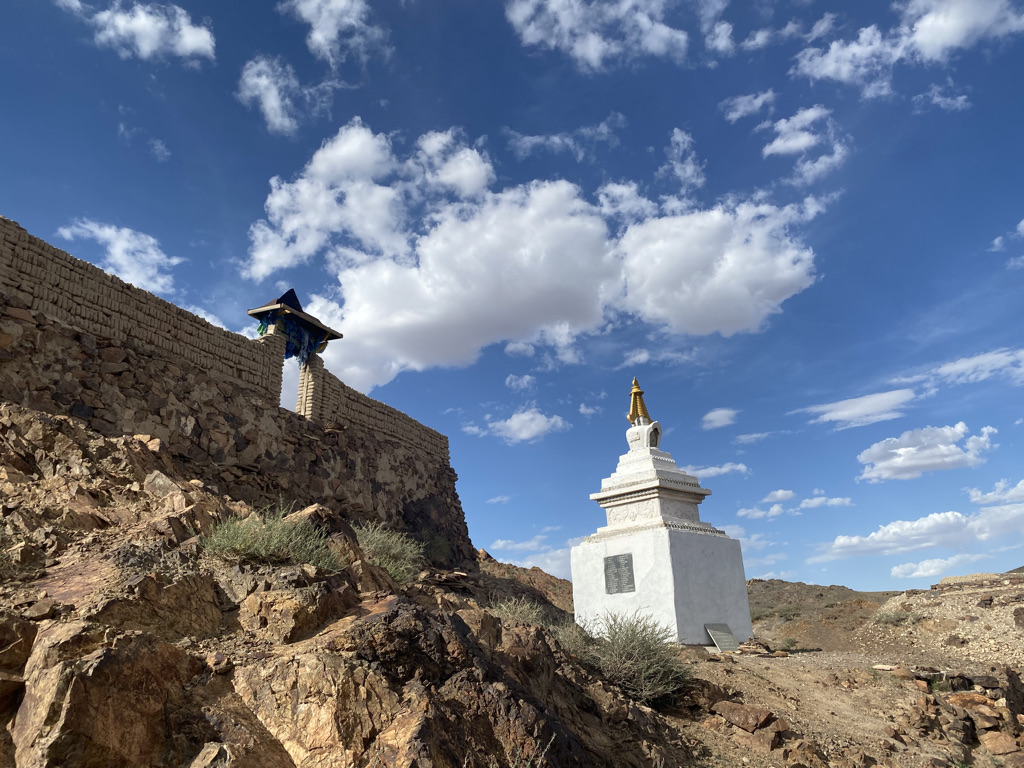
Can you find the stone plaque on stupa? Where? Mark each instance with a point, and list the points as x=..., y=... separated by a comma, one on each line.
x=655, y=556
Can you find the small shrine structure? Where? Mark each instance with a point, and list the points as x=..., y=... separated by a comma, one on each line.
x=655, y=556
x=304, y=334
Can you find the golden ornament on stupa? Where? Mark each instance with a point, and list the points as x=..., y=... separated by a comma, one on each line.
x=637, y=409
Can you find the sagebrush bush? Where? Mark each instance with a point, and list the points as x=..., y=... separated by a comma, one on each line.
x=397, y=553
x=521, y=609
x=640, y=656
x=574, y=639
x=891, y=619
x=267, y=537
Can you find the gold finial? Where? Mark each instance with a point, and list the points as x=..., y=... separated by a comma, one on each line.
x=637, y=409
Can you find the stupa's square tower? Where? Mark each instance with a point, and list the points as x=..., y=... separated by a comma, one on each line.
x=655, y=556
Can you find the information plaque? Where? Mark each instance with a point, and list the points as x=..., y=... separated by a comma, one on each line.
x=618, y=574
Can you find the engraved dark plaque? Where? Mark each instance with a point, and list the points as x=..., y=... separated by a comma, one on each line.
x=618, y=574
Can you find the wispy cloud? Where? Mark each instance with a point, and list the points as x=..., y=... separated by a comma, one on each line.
x=723, y=469
x=719, y=417
x=581, y=143
x=737, y=107
x=860, y=411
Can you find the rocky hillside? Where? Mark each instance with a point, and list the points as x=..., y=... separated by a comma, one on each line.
x=123, y=642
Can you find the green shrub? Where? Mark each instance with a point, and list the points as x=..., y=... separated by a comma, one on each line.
x=521, y=609
x=788, y=612
x=397, y=553
x=787, y=644
x=891, y=619
x=266, y=537
x=639, y=655
x=574, y=639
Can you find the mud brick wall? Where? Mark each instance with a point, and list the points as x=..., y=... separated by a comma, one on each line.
x=79, y=294
x=324, y=397
x=76, y=341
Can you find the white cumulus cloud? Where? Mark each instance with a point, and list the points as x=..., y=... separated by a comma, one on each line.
x=133, y=256
x=925, y=450
x=942, y=96
x=520, y=383
x=756, y=513
x=779, y=495
x=723, y=469
x=271, y=84
x=338, y=28
x=737, y=107
x=527, y=425
x=432, y=265
x=939, y=529
x=597, y=33
x=822, y=501
x=151, y=30
x=719, y=417
x=928, y=32
x=794, y=134
x=682, y=161
x=1002, y=493
x=934, y=567
x=530, y=545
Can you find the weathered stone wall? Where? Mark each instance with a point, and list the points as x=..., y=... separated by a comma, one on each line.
x=324, y=397
x=79, y=294
x=60, y=355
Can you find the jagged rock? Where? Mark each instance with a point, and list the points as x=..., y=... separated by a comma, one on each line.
x=1018, y=617
x=187, y=607
x=213, y=755
x=741, y=715
x=370, y=578
x=286, y=616
x=998, y=743
x=16, y=637
x=11, y=687
x=25, y=554
x=94, y=698
x=984, y=722
x=967, y=700
x=405, y=688
x=40, y=610
x=762, y=741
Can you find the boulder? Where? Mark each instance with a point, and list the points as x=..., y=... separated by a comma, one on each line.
x=742, y=716
x=289, y=615
x=16, y=637
x=187, y=607
x=998, y=743
x=94, y=698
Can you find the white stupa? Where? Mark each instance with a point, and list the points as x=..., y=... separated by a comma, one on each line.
x=655, y=556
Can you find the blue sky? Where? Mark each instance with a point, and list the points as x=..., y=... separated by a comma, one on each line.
x=799, y=223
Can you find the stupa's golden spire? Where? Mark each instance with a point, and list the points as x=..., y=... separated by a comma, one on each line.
x=637, y=409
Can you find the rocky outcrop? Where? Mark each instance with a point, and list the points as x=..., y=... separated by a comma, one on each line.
x=123, y=643
x=232, y=441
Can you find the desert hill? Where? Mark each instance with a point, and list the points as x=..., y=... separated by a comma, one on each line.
x=122, y=642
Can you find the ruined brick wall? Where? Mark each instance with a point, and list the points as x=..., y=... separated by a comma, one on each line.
x=154, y=370
x=324, y=397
